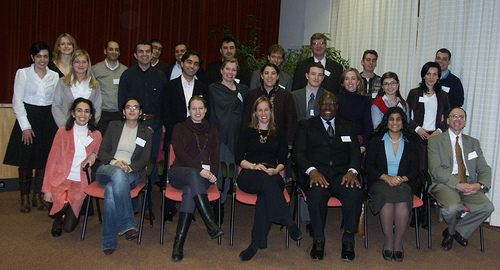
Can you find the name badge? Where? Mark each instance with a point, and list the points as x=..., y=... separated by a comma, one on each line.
x=140, y=142
x=327, y=73
x=472, y=155
x=206, y=167
x=240, y=97
x=311, y=112
x=237, y=80
x=281, y=86
x=116, y=81
x=345, y=138
x=87, y=141
x=445, y=89
x=423, y=99
x=374, y=95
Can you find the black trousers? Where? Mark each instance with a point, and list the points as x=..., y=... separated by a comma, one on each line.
x=317, y=201
x=271, y=206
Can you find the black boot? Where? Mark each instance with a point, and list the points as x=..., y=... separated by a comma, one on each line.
x=25, y=188
x=58, y=221
x=180, y=236
x=215, y=210
x=37, y=191
x=207, y=215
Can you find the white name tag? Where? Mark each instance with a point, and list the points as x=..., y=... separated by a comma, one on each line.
x=140, y=142
x=240, y=97
x=472, y=155
x=281, y=86
x=345, y=138
x=423, y=99
x=237, y=80
x=445, y=89
x=87, y=141
x=206, y=167
x=327, y=73
x=374, y=94
x=116, y=81
x=311, y=112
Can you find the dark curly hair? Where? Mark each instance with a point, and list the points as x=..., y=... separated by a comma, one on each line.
x=383, y=126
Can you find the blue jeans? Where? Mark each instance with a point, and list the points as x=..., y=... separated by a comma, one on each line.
x=117, y=202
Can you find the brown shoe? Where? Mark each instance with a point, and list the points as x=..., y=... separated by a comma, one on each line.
x=38, y=202
x=130, y=234
x=109, y=251
x=25, y=204
x=149, y=215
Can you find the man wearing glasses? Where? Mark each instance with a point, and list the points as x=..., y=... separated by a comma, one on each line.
x=460, y=177
x=333, y=70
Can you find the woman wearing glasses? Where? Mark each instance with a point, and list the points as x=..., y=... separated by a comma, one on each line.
x=388, y=96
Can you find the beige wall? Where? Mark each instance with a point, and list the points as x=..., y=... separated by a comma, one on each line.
x=8, y=119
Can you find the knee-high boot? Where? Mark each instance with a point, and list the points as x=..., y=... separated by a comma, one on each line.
x=37, y=191
x=207, y=215
x=24, y=188
x=180, y=236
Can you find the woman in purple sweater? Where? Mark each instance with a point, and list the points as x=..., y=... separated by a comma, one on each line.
x=196, y=164
x=355, y=107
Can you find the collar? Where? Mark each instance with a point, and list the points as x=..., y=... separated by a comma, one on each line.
x=184, y=81
x=444, y=76
x=110, y=67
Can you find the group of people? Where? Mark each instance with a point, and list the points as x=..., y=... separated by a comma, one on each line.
x=324, y=122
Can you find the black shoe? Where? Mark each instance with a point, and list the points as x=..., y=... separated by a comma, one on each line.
x=318, y=250
x=447, y=240
x=399, y=255
x=295, y=232
x=309, y=229
x=181, y=232
x=387, y=254
x=57, y=227
x=247, y=254
x=348, y=251
x=462, y=241
x=169, y=217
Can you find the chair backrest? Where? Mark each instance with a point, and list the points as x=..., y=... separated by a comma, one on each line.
x=171, y=156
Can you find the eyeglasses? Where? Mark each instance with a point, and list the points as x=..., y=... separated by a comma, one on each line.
x=318, y=43
x=130, y=107
x=393, y=83
x=457, y=116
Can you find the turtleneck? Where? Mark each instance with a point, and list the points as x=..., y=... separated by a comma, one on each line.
x=198, y=128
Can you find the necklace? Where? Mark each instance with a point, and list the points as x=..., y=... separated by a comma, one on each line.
x=263, y=139
x=198, y=144
x=396, y=141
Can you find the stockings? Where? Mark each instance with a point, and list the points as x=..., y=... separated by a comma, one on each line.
x=394, y=219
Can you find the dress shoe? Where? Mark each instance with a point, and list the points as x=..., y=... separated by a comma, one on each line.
x=462, y=241
x=247, y=254
x=309, y=229
x=387, y=254
x=318, y=250
x=109, y=251
x=348, y=251
x=399, y=255
x=295, y=232
x=447, y=240
x=130, y=234
x=57, y=227
x=149, y=215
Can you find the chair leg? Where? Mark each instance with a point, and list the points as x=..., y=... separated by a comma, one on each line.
x=429, y=234
x=287, y=234
x=297, y=204
x=86, y=218
x=365, y=222
x=150, y=207
x=417, y=231
x=144, y=198
x=98, y=210
x=233, y=204
x=481, y=235
x=162, y=221
x=219, y=240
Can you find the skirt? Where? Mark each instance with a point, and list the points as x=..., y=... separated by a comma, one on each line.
x=382, y=193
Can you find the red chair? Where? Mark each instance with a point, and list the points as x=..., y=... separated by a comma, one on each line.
x=251, y=199
x=176, y=194
x=428, y=182
x=93, y=190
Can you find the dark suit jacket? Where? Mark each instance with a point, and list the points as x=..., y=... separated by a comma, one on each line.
x=417, y=109
x=140, y=157
x=441, y=160
x=174, y=104
x=301, y=105
x=168, y=72
x=330, y=83
x=312, y=148
x=376, y=161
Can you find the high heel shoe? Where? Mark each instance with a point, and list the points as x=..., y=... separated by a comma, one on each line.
x=387, y=254
x=399, y=255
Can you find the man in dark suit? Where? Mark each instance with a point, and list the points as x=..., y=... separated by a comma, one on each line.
x=307, y=98
x=333, y=70
x=175, y=100
x=460, y=176
x=174, y=70
x=326, y=151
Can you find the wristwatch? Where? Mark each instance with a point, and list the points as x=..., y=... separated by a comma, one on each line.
x=483, y=187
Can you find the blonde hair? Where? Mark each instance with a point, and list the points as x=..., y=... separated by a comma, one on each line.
x=230, y=60
x=361, y=86
x=67, y=79
x=255, y=122
x=56, y=53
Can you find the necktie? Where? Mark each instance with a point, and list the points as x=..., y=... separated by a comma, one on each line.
x=310, y=106
x=461, y=166
x=331, y=133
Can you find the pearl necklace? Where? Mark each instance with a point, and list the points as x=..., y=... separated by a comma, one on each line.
x=397, y=141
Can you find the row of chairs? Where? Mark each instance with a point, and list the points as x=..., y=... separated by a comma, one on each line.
x=97, y=192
